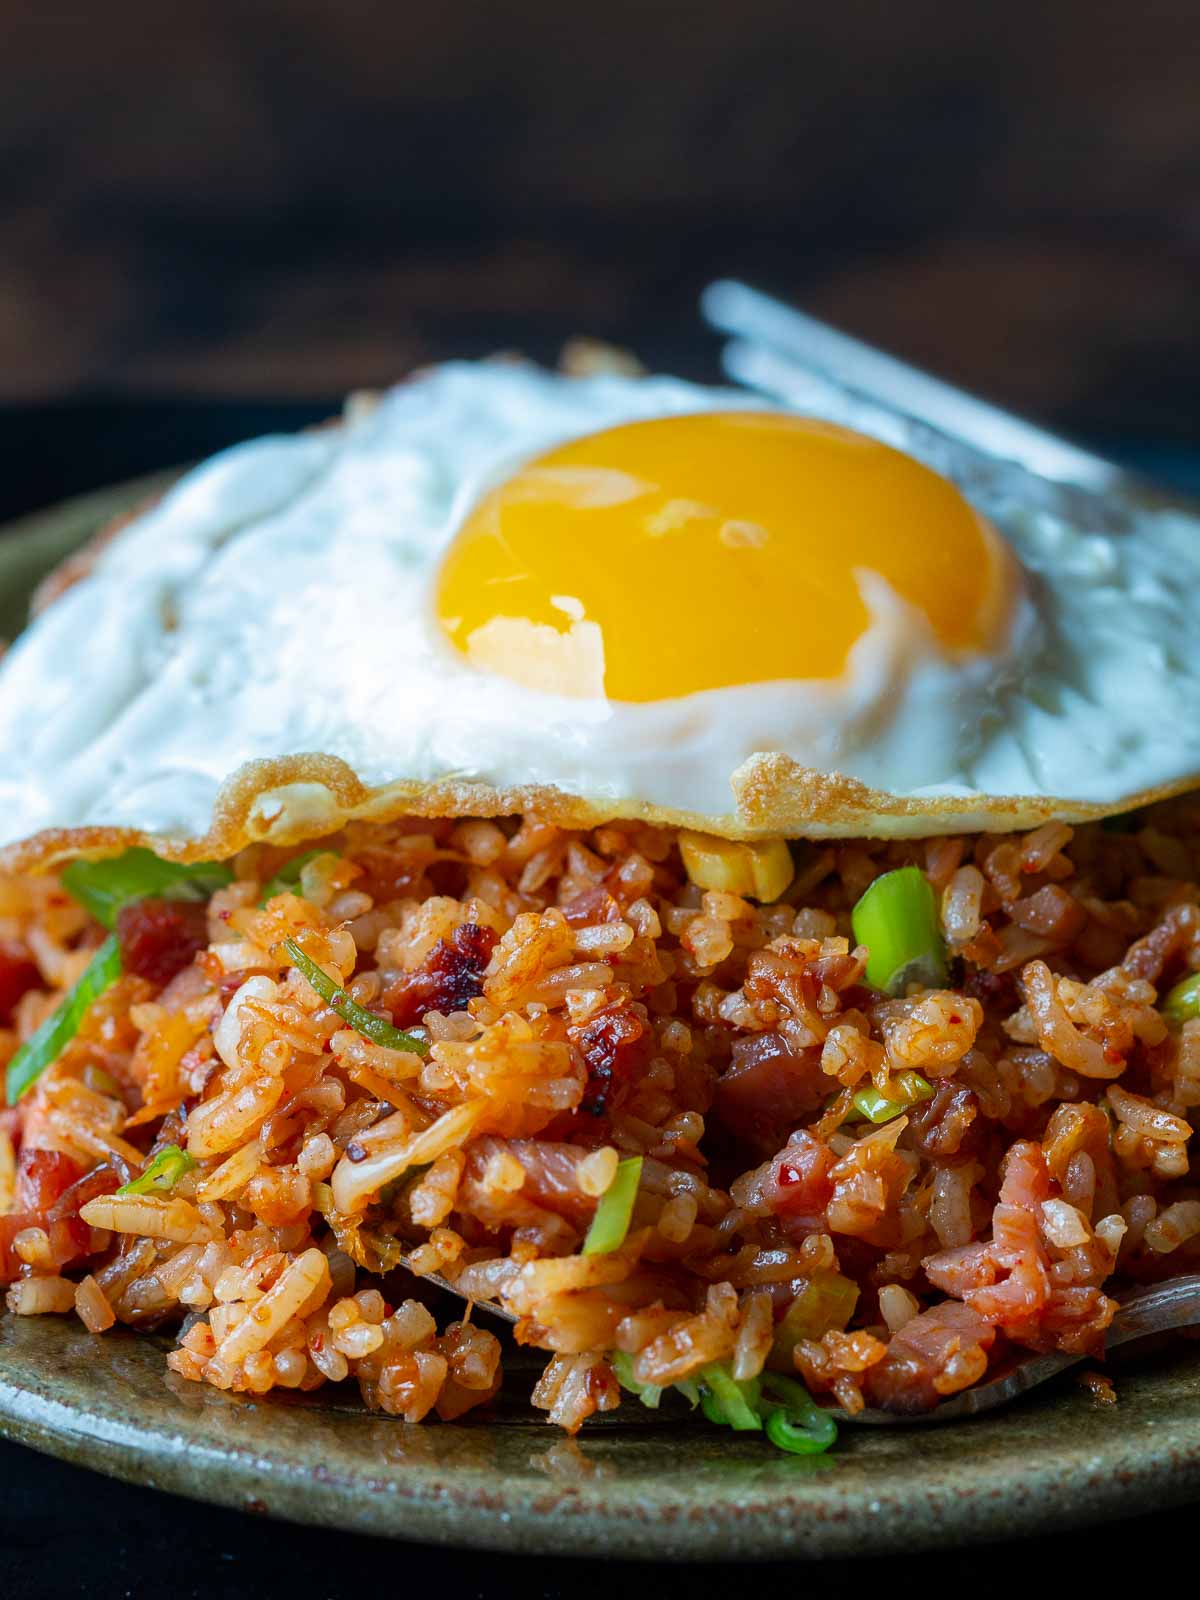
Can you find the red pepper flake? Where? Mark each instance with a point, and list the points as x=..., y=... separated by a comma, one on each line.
x=788, y=1175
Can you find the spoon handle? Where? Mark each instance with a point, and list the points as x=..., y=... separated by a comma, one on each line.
x=769, y=325
x=1175, y=1304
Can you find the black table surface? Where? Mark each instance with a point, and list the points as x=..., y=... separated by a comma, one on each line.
x=66, y=1531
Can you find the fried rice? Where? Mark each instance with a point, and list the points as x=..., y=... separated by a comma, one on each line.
x=579, y=1001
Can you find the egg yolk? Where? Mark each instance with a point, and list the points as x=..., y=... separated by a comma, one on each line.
x=666, y=557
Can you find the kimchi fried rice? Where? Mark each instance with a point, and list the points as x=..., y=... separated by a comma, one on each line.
x=634, y=1088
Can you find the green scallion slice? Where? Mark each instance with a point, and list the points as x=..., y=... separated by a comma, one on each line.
x=361, y=1020
x=1183, y=1001
x=648, y=1393
x=726, y=1401
x=287, y=879
x=611, y=1221
x=787, y=1435
x=163, y=1173
x=876, y=1107
x=797, y=1425
x=897, y=920
x=103, y=887
x=914, y=1087
x=52, y=1038
x=689, y=1389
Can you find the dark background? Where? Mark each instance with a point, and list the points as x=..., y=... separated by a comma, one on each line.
x=65, y=1532
x=248, y=203
x=216, y=219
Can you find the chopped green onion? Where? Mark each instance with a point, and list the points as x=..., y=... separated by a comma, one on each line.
x=1183, y=1001
x=825, y=1301
x=726, y=1401
x=287, y=879
x=787, y=1435
x=797, y=1425
x=897, y=920
x=52, y=1038
x=876, y=1107
x=648, y=1393
x=360, y=1019
x=914, y=1087
x=163, y=1173
x=611, y=1221
x=103, y=887
x=689, y=1389
x=793, y=1420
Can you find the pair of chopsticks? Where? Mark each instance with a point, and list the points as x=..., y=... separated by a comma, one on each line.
x=792, y=357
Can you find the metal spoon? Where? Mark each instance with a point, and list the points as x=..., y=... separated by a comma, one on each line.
x=792, y=357
x=773, y=342
x=1146, y=1311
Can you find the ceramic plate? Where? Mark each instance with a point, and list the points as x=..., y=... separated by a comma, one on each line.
x=639, y=1486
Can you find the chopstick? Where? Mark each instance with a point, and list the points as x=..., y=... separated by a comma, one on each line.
x=781, y=351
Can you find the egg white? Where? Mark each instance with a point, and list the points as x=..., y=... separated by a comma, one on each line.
x=279, y=601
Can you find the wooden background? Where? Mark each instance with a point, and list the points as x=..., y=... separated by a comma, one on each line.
x=282, y=198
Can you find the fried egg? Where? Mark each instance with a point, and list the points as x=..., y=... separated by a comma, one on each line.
x=500, y=589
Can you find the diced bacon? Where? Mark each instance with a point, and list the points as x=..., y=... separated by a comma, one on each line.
x=18, y=974
x=997, y=990
x=392, y=874
x=1026, y=1180
x=1076, y=1318
x=590, y=907
x=935, y=1354
x=1158, y=951
x=100, y=1180
x=47, y=1182
x=13, y=1223
x=1051, y=912
x=614, y=1044
x=1016, y=1302
x=42, y=1176
x=451, y=976
x=769, y=1088
x=797, y=1183
x=947, y=1125
x=159, y=938
x=1015, y=1236
x=550, y=1180
x=1006, y=1280
x=961, y=1269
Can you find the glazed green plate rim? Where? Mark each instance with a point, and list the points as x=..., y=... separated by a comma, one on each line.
x=677, y=1490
